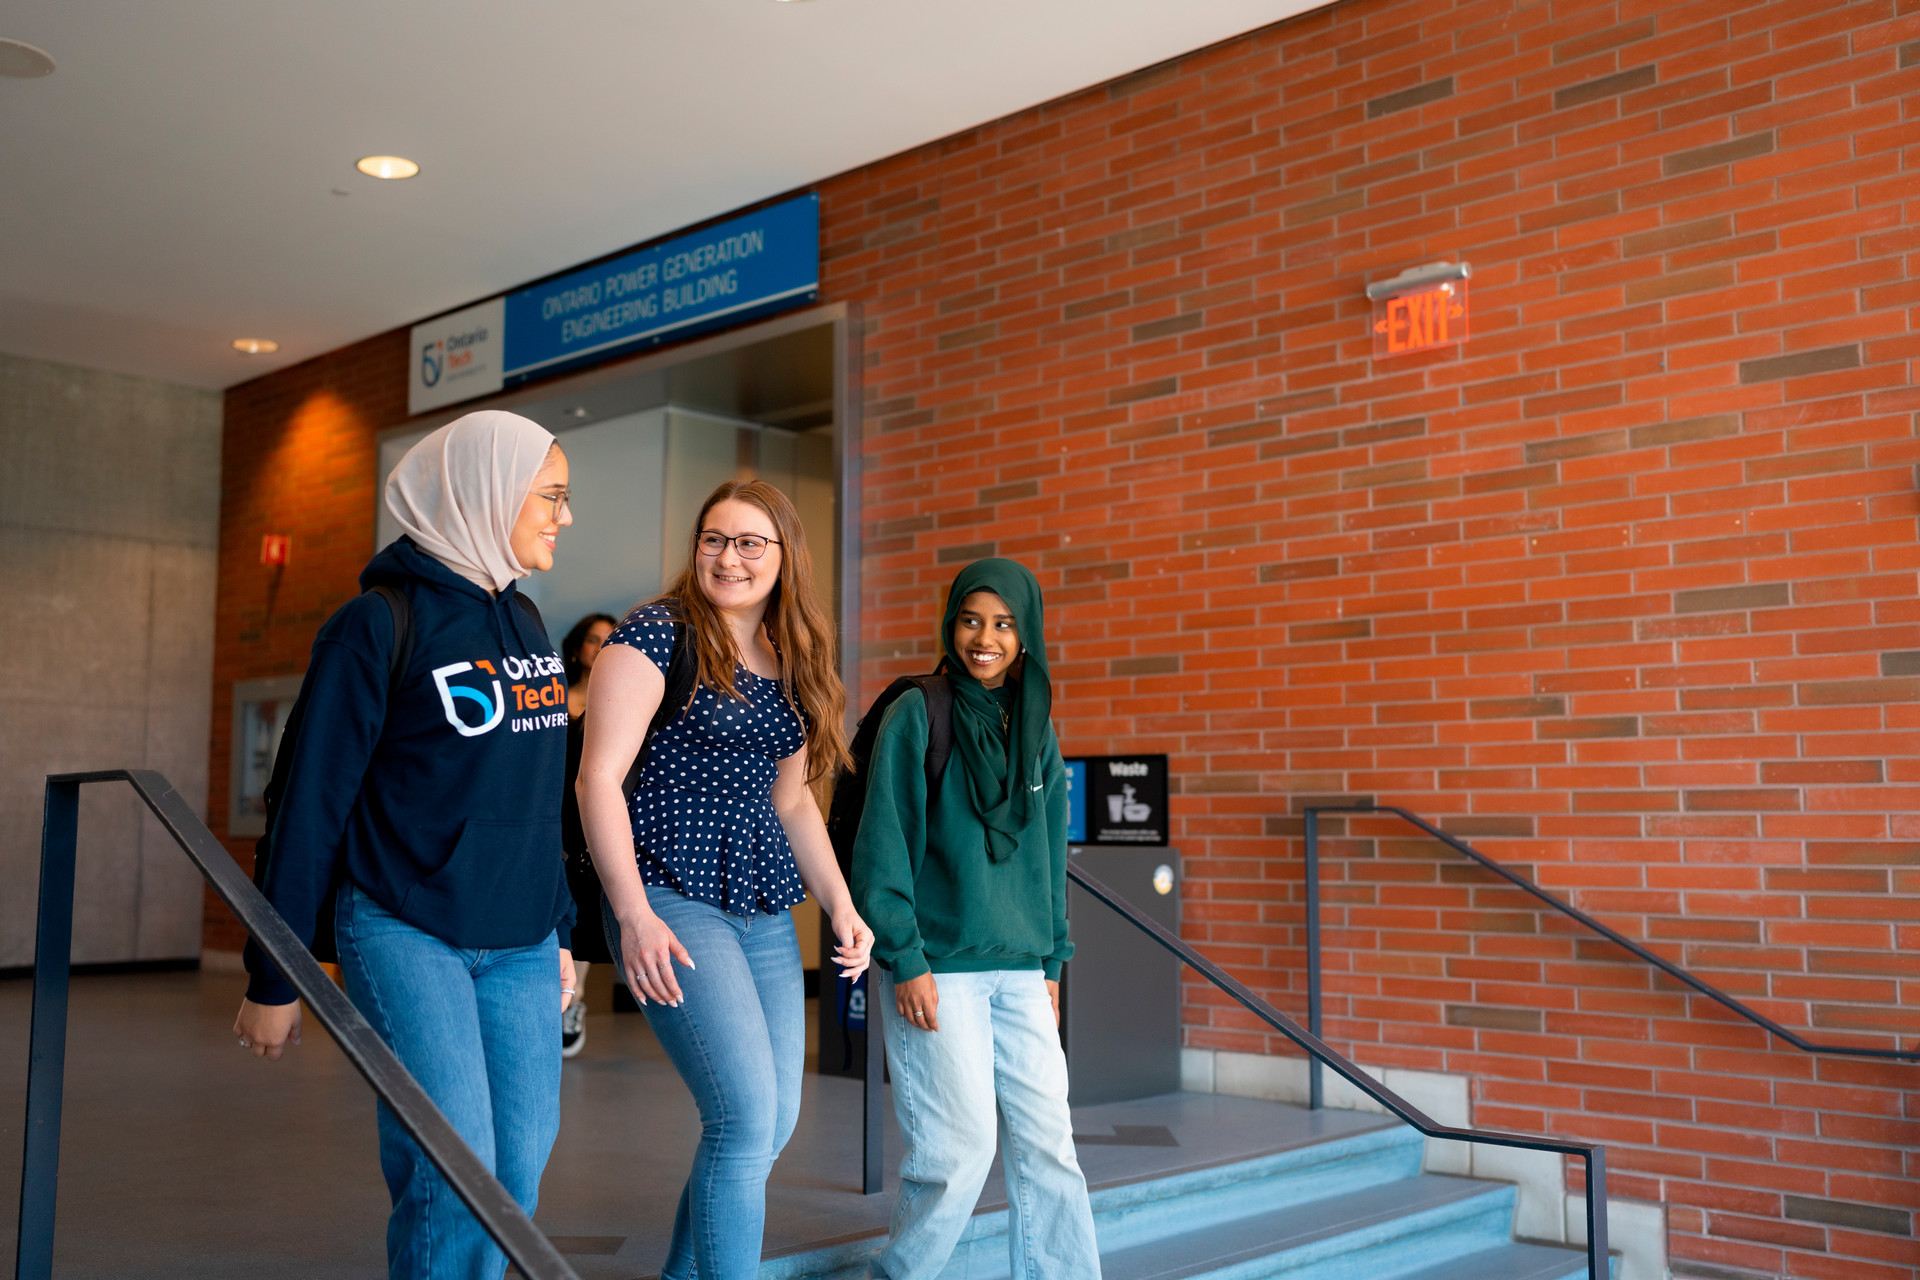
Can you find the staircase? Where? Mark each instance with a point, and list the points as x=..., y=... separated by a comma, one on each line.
x=1350, y=1205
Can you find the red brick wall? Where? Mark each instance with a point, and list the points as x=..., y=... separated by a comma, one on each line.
x=298, y=457
x=1627, y=591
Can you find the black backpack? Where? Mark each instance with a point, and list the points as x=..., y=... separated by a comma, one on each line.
x=323, y=945
x=850, y=783
x=850, y=800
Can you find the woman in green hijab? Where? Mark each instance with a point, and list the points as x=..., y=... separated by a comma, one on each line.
x=966, y=892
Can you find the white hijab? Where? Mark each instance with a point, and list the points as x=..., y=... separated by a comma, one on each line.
x=458, y=492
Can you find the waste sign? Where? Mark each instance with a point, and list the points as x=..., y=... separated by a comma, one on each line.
x=1117, y=800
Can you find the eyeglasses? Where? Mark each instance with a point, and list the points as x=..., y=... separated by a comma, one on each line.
x=751, y=546
x=562, y=503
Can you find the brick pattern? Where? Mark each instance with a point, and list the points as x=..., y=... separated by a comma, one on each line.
x=299, y=453
x=1626, y=591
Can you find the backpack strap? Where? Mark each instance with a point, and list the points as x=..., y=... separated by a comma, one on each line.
x=402, y=655
x=939, y=696
x=682, y=675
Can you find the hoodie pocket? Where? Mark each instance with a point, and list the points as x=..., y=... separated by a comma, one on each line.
x=499, y=887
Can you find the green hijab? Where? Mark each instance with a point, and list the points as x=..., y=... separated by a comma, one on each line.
x=1004, y=766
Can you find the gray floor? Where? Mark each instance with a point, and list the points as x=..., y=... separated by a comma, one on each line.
x=181, y=1155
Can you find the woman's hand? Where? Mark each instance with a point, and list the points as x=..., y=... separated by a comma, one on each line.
x=1053, y=994
x=569, y=992
x=647, y=952
x=918, y=1001
x=855, y=942
x=267, y=1029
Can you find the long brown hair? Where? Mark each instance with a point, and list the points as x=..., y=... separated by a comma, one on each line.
x=799, y=628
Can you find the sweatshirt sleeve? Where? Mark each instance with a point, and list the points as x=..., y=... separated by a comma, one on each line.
x=1056, y=796
x=893, y=837
x=346, y=706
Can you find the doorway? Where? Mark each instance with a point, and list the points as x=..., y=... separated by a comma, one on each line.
x=649, y=439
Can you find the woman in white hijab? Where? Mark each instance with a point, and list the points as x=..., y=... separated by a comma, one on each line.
x=419, y=830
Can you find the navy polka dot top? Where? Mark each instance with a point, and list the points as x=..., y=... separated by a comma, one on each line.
x=703, y=817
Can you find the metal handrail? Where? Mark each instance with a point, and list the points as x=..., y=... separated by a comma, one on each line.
x=1513, y=877
x=497, y=1211
x=1318, y=1050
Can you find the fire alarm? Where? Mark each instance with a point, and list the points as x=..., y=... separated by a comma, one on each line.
x=275, y=548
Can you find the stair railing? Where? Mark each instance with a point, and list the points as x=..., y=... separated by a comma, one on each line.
x=1318, y=1050
x=497, y=1211
x=1312, y=814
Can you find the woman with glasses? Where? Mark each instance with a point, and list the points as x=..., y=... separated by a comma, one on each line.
x=721, y=836
x=422, y=798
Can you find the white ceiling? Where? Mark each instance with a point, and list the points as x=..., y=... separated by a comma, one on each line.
x=169, y=188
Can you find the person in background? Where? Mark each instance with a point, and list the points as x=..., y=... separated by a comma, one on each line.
x=967, y=892
x=578, y=651
x=703, y=861
x=436, y=826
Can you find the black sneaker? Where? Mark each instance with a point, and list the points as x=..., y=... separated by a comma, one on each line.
x=573, y=1028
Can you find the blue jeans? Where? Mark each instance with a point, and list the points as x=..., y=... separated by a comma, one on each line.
x=739, y=1040
x=480, y=1031
x=997, y=1053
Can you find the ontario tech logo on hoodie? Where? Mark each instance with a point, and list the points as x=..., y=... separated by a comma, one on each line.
x=488, y=702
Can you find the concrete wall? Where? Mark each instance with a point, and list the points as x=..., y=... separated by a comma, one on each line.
x=109, y=514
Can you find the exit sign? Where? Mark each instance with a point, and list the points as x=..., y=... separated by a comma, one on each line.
x=1423, y=309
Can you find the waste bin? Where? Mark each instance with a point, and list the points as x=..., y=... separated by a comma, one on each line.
x=1120, y=994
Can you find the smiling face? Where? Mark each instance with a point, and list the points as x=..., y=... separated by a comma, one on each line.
x=986, y=638
x=729, y=580
x=541, y=517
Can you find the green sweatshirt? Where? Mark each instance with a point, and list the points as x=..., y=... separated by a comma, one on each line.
x=921, y=875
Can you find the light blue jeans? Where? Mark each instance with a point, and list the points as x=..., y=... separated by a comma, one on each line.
x=997, y=1044
x=739, y=1040
x=480, y=1031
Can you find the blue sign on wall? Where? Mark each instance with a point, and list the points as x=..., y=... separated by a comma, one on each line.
x=761, y=262
x=1076, y=801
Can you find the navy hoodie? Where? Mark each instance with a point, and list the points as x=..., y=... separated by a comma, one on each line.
x=443, y=803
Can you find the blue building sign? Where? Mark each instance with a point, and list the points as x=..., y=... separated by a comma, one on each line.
x=749, y=266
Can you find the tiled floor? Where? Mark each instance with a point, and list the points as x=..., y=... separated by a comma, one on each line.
x=182, y=1156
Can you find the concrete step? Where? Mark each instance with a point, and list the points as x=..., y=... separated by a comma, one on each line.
x=1241, y=1215
x=1369, y=1233
x=1312, y=1165
x=1324, y=1202
x=1512, y=1261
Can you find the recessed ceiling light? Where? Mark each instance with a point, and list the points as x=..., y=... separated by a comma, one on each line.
x=23, y=61
x=386, y=166
x=255, y=346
